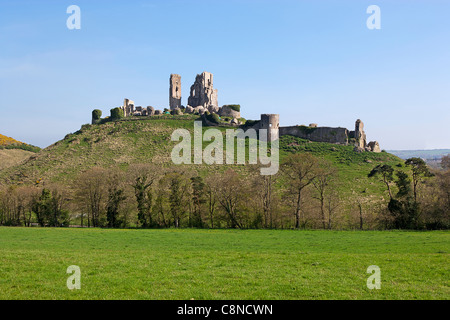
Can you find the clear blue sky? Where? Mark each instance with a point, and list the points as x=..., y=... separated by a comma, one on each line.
x=309, y=61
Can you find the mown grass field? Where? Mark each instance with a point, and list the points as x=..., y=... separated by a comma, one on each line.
x=222, y=264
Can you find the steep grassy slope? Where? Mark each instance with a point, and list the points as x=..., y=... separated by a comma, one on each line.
x=14, y=152
x=13, y=157
x=149, y=141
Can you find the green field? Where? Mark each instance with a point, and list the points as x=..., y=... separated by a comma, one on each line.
x=222, y=264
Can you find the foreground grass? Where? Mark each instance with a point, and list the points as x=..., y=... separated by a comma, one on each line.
x=222, y=264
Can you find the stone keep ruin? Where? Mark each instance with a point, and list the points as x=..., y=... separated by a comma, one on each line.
x=203, y=94
x=175, y=91
x=203, y=100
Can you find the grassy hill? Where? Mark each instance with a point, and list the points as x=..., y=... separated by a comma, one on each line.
x=14, y=152
x=128, y=141
x=13, y=157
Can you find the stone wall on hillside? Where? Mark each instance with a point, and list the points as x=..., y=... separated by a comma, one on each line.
x=317, y=134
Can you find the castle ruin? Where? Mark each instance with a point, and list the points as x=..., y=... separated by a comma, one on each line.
x=203, y=99
x=175, y=91
x=203, y=93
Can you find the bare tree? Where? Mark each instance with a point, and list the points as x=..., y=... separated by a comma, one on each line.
x=211, y=199
x=300, y=169
x=230, y=191
x=332, y=204
x=91, y=190
x=324, y=175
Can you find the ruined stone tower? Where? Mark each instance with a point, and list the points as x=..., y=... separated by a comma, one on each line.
x=128, y=107
x=175, y=91
x=203, y=93
x=360, y=135
x=270, y=122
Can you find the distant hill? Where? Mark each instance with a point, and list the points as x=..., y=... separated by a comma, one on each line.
x=435, y=154
x=431, y=157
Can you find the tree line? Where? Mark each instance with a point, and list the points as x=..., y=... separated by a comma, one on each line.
x=306, y=193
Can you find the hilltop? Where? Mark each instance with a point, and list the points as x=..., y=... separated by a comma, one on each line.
x=6, y=141
x=10, y=143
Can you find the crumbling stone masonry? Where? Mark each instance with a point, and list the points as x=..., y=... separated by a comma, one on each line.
x=317, y=134
x=175, y=91
x=360, y=135
x=203, y=93
x=128, y=107
x=203, y=99
x=271, y=123
x=373, y=146
x=228, y=111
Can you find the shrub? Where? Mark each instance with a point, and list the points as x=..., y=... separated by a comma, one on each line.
x=85, y=127
x=96, y=114
x=235, y=107
x=251, y=123
x=213, y=117
x=23, y=146
x=116, y=114
x=306, y=130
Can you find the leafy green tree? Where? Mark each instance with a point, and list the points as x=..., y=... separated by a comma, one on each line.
x=144, y=197
x=115, y=197
x=211, y=198
x=48, y=209
x=404, y=208
x=419, y=172
x=179, y=189
x=403, y=183
x=198, y=200
x=42, y=207
x=387, y=175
